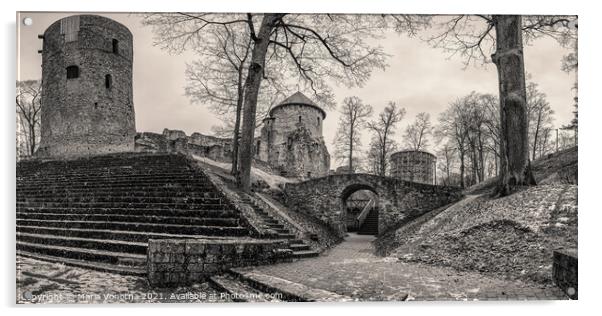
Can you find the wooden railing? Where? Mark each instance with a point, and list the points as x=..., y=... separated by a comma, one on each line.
x=364, y=213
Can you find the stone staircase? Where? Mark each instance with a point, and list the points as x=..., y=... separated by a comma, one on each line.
x=100, y=212
x=300, y=249
x=370, y=224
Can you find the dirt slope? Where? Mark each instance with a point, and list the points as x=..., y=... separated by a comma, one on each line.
x=511, y=237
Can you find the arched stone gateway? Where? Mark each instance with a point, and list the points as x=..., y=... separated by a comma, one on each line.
x=398, y=200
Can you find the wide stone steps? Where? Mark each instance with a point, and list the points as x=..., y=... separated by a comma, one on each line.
x=138, y=236
x=139, y=205
x=170, y=190
x=132, y=247
x=133, y=226
x=227, y=213
x=226, y=222
x=120, y=199
x=101, y=211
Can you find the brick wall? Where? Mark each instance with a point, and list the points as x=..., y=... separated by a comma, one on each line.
x=173, y=262
x=565, y=271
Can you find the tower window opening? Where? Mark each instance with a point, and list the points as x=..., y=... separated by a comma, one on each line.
x=108, y=81
x=318, y=120
x=72, y=72
x=299, y=118
x=115, y=46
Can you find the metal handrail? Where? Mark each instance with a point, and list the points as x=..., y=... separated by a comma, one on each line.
x=364, y=213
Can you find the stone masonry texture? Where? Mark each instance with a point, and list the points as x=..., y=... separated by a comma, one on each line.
x=93, y=112
x=413, y=165
x=398, y=201
x=174, y=262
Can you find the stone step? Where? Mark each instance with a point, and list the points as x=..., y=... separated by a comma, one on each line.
x=117, y=192
x=118, y=199
x=228, y=213
x=288, y=290
x=226, y=222
x=141, y=227
x=82, y=253
x=305, y=254
x=121, y=173
x=299, y=247
x=286, y=236
x=276, y=226
x=90, y=183
x=88, y=243
x=149, y=205
x=137, y=236
x=240, y=291
x=105, y=267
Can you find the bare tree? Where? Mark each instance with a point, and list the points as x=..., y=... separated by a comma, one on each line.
x=540, y=117
x=416, y=134
x=383, y=129
x=318, y=47
x=446, y=156
x=354, y=115
x=473, y=40
x=28, y=100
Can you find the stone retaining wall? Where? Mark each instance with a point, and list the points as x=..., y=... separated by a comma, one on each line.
x=174, y=262
x=565, y=271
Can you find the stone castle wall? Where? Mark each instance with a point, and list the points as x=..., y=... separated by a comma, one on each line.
x=92, y=113
x=176, y=141
x=414, y=166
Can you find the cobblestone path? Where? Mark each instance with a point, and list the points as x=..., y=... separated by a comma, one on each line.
x=352, y=269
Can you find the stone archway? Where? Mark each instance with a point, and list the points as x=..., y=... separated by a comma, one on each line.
x=323, y=198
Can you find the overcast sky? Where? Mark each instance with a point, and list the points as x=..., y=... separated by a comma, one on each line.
x=419, y=78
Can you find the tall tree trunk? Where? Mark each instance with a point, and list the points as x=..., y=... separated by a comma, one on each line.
x=235, y=137
x=461, y=168
x=252, y=84
x=514, y=137
x=32, y=139
x=351, y=148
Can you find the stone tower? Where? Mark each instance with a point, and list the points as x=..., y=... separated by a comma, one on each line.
x=414, y=165
x=291, y=140
x=87, y=106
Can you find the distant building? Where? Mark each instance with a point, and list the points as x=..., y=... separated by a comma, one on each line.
x=291, y=140
x=414, y=165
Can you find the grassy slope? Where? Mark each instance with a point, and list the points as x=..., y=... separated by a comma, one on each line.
x=512, y=237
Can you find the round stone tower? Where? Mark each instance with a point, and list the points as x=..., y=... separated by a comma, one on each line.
x=87, y=105
x=291, y=139
x=413, y=165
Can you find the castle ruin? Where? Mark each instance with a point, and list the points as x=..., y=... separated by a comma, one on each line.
x=87, y=106
x=291, y=140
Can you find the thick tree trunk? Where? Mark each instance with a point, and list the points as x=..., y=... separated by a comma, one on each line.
x=514, y=139
x=235, y=137
x=252, y=84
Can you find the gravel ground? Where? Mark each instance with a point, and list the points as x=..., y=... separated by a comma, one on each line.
x=44, y=282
